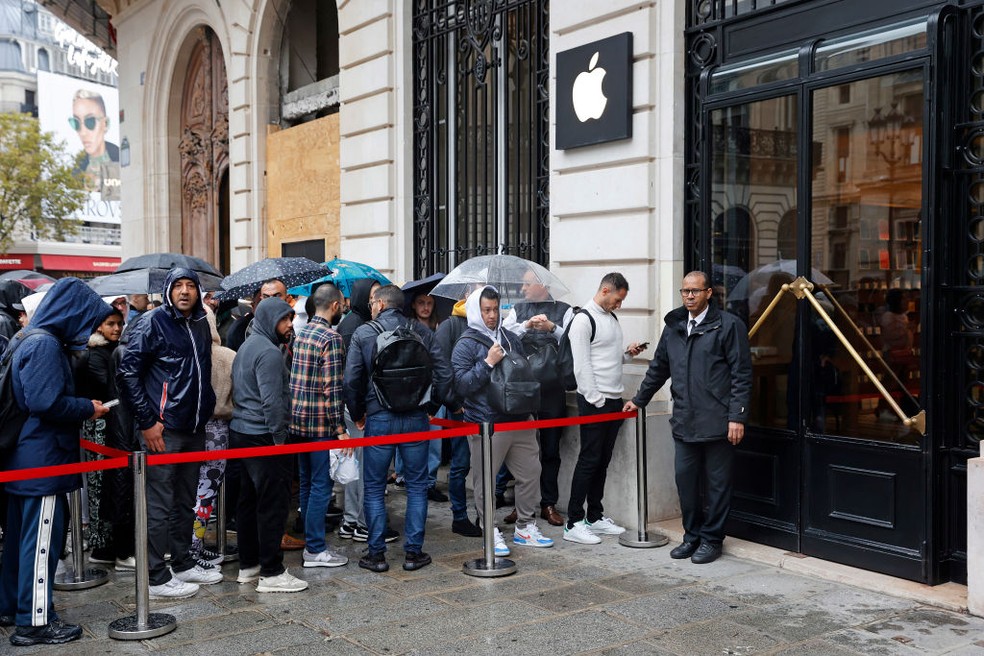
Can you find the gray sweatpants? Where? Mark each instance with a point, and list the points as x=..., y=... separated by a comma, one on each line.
x=354, y=513
x=521, y=453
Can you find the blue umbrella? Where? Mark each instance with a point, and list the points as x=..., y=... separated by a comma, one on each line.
x=343, y=274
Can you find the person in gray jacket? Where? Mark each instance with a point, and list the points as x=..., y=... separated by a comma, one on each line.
x=260, y=417
x=705, y=353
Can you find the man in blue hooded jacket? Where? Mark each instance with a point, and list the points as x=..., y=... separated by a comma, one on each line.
x=165, y=377
x=44, y=389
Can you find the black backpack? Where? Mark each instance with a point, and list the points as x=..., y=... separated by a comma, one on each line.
x=402, y=370
x=565, y=359
x=12, y=417
x=513, y=388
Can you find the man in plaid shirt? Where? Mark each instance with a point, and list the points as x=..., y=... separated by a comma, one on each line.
x=318, y=414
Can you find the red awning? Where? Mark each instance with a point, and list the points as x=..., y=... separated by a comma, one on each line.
x=79, y=263
x=12, y=262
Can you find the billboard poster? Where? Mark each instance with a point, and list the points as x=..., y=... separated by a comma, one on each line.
x=83, y=115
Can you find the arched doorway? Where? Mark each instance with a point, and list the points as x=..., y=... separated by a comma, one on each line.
x=204, y=150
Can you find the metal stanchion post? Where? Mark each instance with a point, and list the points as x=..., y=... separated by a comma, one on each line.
x=144, y=624
x=488, y=566
x=643, y=538
x=78, y=577
x=221, y=538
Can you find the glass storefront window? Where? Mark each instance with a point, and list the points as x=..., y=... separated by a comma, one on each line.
x=866, y=243
x=879, y=43
x=756, y=72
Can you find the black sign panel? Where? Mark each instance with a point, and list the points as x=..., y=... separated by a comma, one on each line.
x=594, y=92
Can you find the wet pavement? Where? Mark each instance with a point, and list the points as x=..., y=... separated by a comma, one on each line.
x=569, y=599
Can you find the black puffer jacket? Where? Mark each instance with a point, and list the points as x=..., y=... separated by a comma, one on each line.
x=165, y=373
x=711, y=373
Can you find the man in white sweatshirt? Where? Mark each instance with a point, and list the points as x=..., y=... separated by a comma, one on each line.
x=597, y=347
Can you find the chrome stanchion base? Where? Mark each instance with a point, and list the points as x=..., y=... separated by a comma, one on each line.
x=91, y=577
x=478, y=567
x=128, y=628
x=642, y=540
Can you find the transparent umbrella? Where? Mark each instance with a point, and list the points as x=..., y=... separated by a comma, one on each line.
x=507, y=273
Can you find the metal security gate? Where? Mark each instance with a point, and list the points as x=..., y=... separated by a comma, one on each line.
x=481, y=131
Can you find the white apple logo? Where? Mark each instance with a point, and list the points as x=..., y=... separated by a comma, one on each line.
x=589, y=99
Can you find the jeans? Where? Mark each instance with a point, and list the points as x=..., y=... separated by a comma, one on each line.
x=171, y=495
x=314, y=490
x=264, y=500
x=376, y=461
x=591, y=470
x=460, y=466
x=704, y=465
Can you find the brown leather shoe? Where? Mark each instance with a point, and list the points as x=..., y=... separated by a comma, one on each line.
x=290, y=543
x=553, y=517
x=511, y=517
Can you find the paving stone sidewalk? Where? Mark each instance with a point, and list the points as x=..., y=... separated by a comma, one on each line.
x=569, y=599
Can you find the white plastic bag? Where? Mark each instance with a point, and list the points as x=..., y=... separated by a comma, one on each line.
x=344, y=468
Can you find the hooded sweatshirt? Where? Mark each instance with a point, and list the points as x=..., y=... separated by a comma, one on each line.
x=165, y=372
x=260, y=377
x=45, y=389
x=472, y=374
x=222, y=358
x=360, y=311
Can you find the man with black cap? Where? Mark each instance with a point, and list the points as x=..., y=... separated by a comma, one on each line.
x=165, y=377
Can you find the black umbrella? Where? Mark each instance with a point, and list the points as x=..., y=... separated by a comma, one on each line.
x=167, y=261
x=144, y=281
x=293, y=271
x=11, y=294
x=414, y=288
x=32, y=279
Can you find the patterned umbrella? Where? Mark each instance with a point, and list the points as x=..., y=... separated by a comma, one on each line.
x=144, y=281
x=343, y=274
x=293, y=271
x=167, y=261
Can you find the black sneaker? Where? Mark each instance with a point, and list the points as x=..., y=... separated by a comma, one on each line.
x=7, y=620
x=390, y=535
x=466, y=528
x=54, y=632
x=347, y=530
x=435, y=495
x=374, y=562
x=333, y=511
x=415, y=560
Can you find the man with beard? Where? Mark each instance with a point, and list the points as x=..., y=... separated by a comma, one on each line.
x=260, y=417
x=318, y=414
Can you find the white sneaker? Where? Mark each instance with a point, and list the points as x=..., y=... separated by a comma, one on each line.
x=249, y=575
x=126, y=564
x=531, y=537
x=500, y=545
x=326, y=558
x=605, y=526
x=173, y=589
x=203, y=573
x=281, y=583
x=581, y=534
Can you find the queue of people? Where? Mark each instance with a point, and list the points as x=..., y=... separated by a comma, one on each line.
x=335, y=379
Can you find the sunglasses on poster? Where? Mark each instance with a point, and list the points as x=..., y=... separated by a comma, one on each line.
x=90, y=122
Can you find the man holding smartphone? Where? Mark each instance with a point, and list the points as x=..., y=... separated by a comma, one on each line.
x=599, y=353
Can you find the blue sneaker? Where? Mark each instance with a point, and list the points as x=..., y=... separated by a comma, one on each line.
x=501, y=549
x=531, y=537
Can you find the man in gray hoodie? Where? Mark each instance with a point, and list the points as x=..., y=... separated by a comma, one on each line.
x=260, y=417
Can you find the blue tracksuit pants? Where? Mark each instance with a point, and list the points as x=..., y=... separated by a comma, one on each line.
x=33, y=540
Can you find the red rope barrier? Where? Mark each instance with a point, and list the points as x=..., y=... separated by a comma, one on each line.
x=103, y=450
x=117, y=458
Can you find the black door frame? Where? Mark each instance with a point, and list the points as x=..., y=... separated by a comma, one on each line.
x=804, y=441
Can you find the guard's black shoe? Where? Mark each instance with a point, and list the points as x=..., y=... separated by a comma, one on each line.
x=416, y=560
x=466, y=528
x=685, y=550
x=374, y=562
x=54, y=632
x=706, y=553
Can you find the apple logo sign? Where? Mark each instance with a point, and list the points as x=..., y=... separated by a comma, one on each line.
x=588, y=97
